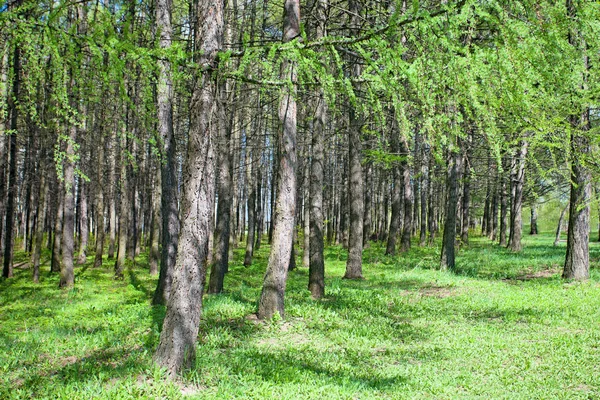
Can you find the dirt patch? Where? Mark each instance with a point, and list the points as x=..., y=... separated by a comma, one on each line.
x=440, y=292
x=546, y=273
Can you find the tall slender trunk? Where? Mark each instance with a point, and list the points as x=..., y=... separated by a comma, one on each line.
x=67, y=276
x=466, y=198
x=99, y=200
x=84, y=226
x=124, y=210
x=398, y=179
x=533, y=220
x=577, y=260
x=112, y=212
x=7, y=270
x=560, y=225
x=273, y=290
x=168, y=170
x=177, y=345
x=41, y=217
x=356, y=194
x=503, y=202
x=516, y=218
x=408, y=199
x=424, y=192
x=316, y=272
x=449, y=240
x=225, y=191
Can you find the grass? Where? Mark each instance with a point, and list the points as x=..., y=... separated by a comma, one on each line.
x=503, y=326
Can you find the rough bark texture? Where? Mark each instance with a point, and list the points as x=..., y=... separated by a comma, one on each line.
x=533, y=220
x=67, y=276
x=225, y=190
x=41, y=217
x=100, y=204
x=577, y=260
x=466, y=197
x=398, y=179
x=448, y=242
x=168, y=171
x=356, y=198
x=516, y=215
x=316, y=272
x=7, y=270
x=57, y=233
x=124, y=220
x=503, y=203
x=560, y=224
x=177, y=345
x=154, y=257
x=273, y=290
x=408, y=199
x=83, y=221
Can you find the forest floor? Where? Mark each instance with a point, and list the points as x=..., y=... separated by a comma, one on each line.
x=503, y=326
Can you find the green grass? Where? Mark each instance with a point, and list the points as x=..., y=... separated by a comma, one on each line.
x=504, y=326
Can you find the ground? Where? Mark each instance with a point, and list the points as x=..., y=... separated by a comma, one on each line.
x=503, y=326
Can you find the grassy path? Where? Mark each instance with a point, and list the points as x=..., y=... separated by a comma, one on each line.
x=504, y=326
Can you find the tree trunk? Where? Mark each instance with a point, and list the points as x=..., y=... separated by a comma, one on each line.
x=466, y=198
x=356, y=194
x=316, y=271
x=100, y=185
x=154, y=257
x=534, y=229
x=41, y=217
x=177, y=345
x=124, y=210
x=516, y=219
x=7, y=270
x=398, y=179
x=503, y=202
x=560, y=224
x=168, y=170
x=577, y=260
x=448, y=242
x=424, y=193
x=67, y=276
x=225, y=190
x=408, y=199
x=273, y=290
x=84, y=226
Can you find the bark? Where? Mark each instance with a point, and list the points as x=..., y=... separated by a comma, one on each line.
x=368, y=204
x=516, y=219
x=67, y=276
x=356, y=199
x=225, y=190
x=251, y=203
x=577, y=260
x=168, y=170
x=424, y=193
x=154, y=257
x=83, y=221
x=503, y=202
x=112, y=234
x=124, y=210
x=533, y=221
x=7, y=270
x=560, y=224
x=177, y=345
x=466, y=198
x=41, y=217
x=398, y=179
x=494, y=206
x=408, y=200
x=316, y=271
x=431, y=214
x=273, y=290
x=99, y=200
x=449, y=239
x=57, y=236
